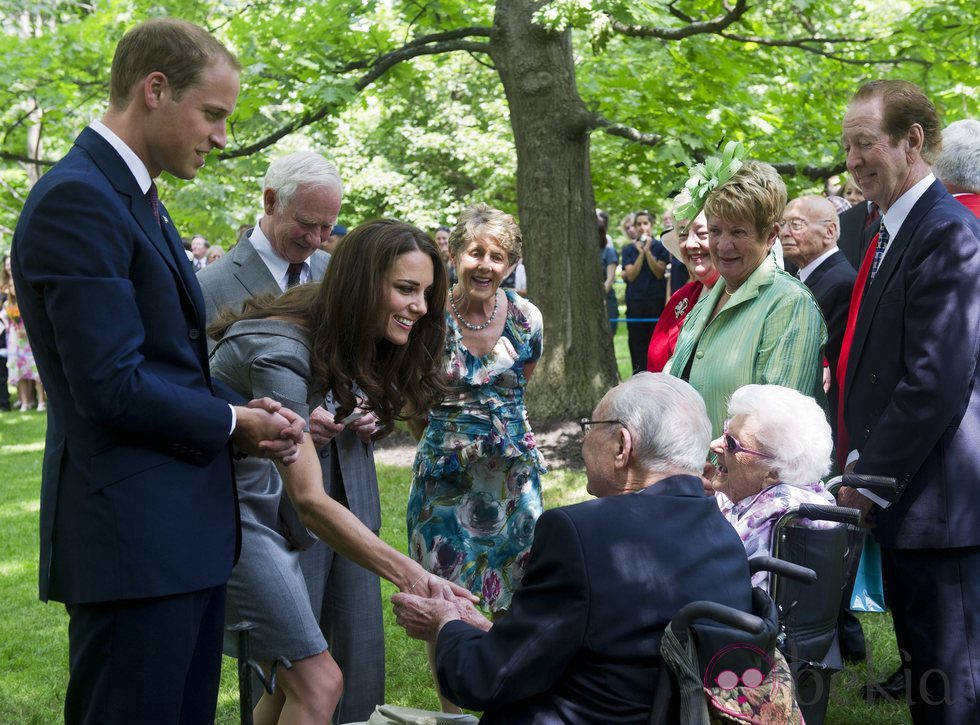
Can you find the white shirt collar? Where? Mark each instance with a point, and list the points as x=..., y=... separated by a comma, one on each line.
x=136, y=166
x=812, y=266
x=896, y=215
x=278, y=266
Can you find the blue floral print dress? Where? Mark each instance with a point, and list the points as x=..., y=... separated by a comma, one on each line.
x=476, y=489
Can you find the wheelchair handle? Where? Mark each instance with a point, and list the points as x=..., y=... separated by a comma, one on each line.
x=717, y=613
x=783, y=568
x=826, y=512
x=875, y=484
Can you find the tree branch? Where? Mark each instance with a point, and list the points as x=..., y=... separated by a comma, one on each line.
x=6, y=156
x=427, y=45
x=653, y=139
x=700, y=27
x=624, y=131
x=806, y=44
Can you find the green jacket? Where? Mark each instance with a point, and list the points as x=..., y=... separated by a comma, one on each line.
x=770, y=332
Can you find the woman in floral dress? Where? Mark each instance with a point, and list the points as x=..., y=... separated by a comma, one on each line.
x=21, y=369
x=476, y=490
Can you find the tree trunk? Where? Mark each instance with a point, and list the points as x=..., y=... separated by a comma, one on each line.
x=557, y=212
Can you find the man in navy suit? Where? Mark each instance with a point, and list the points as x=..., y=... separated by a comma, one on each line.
x=581, y=641
x=139, y=525
x=911, y=396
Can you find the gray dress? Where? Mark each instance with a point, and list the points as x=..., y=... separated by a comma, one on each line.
x=268, y=358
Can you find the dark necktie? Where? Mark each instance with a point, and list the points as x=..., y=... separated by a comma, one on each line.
x=879, y=250
x=874, y=214
x=151, y=196
x=293, y=274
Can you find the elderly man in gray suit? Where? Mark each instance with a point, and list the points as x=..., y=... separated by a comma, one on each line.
x=301, y=197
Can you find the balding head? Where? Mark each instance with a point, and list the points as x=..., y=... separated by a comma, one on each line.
x=817, y=232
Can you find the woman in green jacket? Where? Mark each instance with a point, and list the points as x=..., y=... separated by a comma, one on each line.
x=761, y=325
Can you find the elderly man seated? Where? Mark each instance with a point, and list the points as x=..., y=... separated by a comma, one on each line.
x=581, y=642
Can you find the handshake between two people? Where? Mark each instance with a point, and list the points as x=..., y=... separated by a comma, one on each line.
x=266, y=429
x=423, y=616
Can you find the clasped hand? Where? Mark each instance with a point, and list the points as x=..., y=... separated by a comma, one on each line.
x=324, y=426
x=424, y=616
x=266, y=429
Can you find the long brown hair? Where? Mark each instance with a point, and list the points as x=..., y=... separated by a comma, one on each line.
x=347, y=331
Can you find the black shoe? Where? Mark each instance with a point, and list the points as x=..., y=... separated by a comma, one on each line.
x=891, y=689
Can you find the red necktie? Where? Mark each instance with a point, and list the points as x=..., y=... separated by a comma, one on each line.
x=843, y=439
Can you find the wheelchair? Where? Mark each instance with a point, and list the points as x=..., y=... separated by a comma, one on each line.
x=722, y=664
x=797, y=619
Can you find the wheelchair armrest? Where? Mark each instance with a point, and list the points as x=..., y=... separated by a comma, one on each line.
x=716, y=613
x=783, y=568
x=826, y=512
x=884, y=486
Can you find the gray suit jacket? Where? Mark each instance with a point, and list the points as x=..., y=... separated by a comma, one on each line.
x=240, y=275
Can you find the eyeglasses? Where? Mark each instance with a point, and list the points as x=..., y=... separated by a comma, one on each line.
x=798, y=225
x=733, y=446
x=586, y=425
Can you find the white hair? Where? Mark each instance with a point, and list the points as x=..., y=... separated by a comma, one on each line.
x=666, y=418
x=791, y=427
x=287, y=173
x=959, y=160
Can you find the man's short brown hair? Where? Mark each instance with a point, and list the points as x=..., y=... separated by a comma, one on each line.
x=904, y=104
x=178, y=49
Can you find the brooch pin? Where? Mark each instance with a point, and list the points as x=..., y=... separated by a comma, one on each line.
x=681, y=308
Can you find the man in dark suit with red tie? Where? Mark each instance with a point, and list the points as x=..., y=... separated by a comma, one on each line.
x=139, y=516
x=958, y=166
x=910, y=395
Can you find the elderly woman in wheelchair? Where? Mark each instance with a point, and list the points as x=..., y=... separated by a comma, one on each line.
x=771, y=457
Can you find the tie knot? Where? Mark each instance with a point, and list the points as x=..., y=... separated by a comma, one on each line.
x=293, y=273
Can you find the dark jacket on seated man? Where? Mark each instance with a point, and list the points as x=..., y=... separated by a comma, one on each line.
x=581, y=642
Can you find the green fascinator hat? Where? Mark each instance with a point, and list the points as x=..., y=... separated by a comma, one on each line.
x=708, y=176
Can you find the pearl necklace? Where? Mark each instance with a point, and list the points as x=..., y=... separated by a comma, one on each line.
x=470, y=325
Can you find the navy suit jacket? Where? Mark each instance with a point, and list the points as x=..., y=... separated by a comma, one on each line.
x=912, y=402
x=581, y=642
x=831, y=284
x=137, y=494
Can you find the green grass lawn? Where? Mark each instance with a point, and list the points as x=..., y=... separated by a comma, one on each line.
x=33, y=636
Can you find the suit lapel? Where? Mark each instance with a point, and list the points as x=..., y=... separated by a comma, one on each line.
x=887, y=270
x=122, y=179
x=163, y=236
x=250, y=271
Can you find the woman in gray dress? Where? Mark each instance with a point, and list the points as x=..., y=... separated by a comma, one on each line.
x=375, y=324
